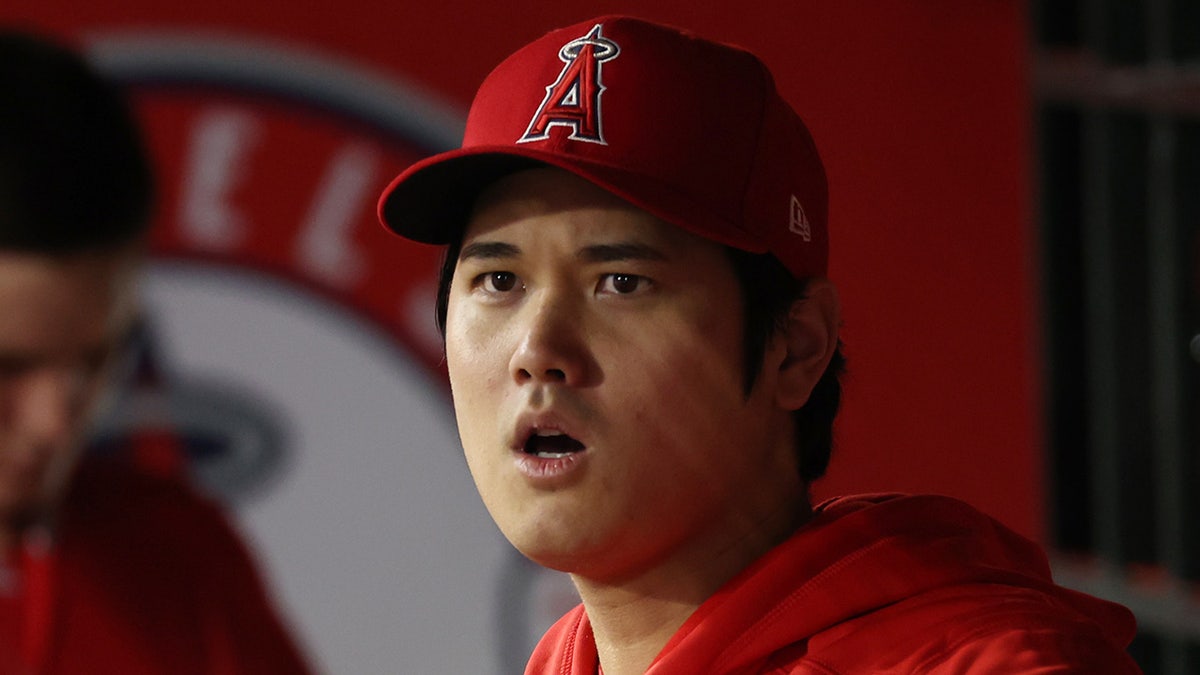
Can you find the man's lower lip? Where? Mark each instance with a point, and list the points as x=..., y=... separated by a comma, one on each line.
x=548, y=469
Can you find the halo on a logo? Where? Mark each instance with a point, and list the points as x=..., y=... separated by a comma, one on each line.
x=233, y=444
x=605, y=49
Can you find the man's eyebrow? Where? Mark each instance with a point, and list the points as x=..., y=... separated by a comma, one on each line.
x=489, y=250
x=602, y=253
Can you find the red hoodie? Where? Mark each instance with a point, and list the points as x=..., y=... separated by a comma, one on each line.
x=147, y=578
x=882, y=584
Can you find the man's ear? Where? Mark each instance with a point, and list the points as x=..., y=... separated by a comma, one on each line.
x=811, y=337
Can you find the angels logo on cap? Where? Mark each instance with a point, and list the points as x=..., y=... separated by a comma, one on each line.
x=574, y=98
x=694, y=133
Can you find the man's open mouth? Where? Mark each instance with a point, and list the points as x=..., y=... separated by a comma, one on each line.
x=551, y=444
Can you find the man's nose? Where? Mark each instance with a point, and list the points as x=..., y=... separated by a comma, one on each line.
x=49, y=403
x=552, y=344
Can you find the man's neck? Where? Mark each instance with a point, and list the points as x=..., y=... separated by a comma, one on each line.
x=633, y=619
x=631, y=629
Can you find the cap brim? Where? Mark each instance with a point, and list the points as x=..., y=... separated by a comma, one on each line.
x=431, y=201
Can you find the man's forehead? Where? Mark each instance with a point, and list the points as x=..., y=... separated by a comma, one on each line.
x=53, y=304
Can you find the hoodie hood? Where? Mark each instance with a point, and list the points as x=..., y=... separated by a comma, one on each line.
x=859, y=558
x=861, y=554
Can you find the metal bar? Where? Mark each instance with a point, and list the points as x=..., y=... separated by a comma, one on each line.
x=1168, y=352
x=1100, y=284
x=1163, y=94
x=1165, y=334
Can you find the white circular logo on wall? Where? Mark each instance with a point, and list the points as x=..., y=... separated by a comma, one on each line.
x=300, y=359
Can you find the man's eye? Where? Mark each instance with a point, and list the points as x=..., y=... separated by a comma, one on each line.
x=13, y=368
x=622, y=284
x=498, y=282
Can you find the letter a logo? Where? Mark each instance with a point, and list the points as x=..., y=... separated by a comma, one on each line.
x=574, y=98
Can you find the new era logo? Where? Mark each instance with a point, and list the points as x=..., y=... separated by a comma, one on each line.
x=798, y=223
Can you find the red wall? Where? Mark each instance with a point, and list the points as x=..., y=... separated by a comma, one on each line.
x=920, y=108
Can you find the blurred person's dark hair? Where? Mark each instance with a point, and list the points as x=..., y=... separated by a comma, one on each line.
x=74, y=175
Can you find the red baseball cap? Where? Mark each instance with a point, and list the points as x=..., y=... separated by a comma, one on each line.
x=690, y=130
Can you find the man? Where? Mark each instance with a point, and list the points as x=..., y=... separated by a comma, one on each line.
x=105, y=566
x=643, y=352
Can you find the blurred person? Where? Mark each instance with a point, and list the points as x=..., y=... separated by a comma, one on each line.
x=107, y=564
x=643, y=350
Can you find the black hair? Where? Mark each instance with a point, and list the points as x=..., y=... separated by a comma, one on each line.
x=74, y=175
x=768, y=291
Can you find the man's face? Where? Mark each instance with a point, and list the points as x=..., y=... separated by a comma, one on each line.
x=63, y=318
x=594, y=357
